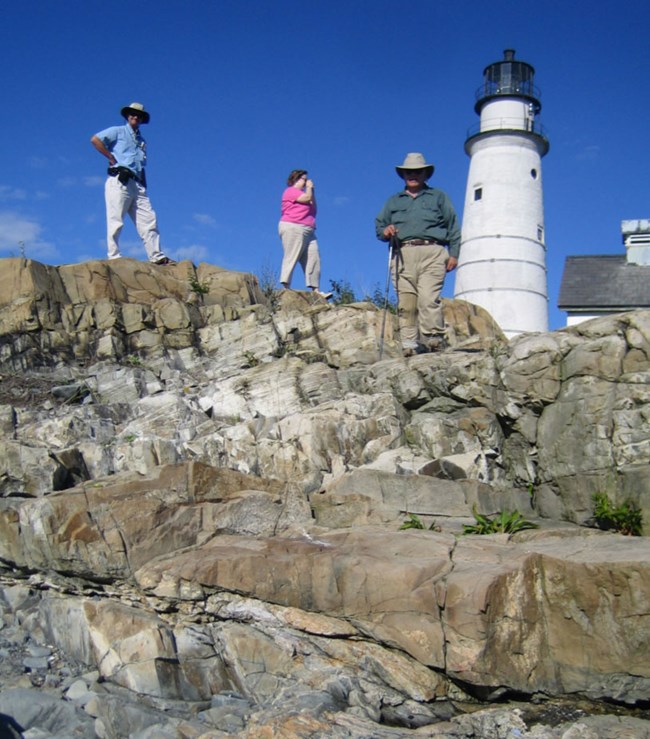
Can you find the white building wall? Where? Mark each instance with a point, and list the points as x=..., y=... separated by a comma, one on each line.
x=507, y=168
x=504, y=113
x=502, y=265
x=575, y=320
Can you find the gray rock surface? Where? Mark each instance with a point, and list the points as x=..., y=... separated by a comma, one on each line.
x=201, y=501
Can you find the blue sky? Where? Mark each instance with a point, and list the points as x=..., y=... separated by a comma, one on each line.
x=241, y=92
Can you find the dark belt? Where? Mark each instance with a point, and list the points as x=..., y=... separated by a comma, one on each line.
x=422, y=242
x=124, y=174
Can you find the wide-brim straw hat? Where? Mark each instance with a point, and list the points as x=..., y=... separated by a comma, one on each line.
x=414, y=160
x=136, y=108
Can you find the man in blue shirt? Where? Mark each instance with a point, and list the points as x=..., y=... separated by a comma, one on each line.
x=126, y=186
x=422, y=223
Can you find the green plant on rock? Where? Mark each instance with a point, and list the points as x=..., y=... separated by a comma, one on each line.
x=251, y=359
x=196, y=286
x=501, y=523
x=314, y=358
x=498, y=349
x=413, y=522
x=626, y=518
x=133, y=360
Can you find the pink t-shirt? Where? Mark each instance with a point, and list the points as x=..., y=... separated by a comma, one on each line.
x=293, y=212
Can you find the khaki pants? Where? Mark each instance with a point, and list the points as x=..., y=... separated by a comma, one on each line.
x=418, y=276
x=300, y=247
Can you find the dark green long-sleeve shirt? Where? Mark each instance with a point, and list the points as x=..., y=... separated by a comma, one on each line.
x=430, y=215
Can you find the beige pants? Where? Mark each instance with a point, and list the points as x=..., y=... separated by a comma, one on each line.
x=418, y=276
x=300, y=247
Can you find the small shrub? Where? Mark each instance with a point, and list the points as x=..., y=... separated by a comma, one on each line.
x=342, y=292
x=500, y=523
x=267, y=279
x=626, y=518
x=196, y=286
x=378, y=298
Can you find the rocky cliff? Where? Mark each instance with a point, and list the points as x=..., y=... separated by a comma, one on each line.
x=203, y=486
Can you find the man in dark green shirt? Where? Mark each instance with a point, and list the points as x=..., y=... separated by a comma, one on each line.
x=424, y=221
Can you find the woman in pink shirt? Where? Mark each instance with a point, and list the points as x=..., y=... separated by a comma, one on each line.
x=298, y=232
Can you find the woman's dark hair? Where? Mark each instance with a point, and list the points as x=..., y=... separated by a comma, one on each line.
x=295, y=175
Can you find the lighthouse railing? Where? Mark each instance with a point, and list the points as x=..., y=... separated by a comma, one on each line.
x=507, y=124
x=490, y=88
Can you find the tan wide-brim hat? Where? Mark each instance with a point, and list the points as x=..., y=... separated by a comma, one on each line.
x=414, y=160
x=136, y=108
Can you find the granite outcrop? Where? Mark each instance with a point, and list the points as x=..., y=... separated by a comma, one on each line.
x=203, y=484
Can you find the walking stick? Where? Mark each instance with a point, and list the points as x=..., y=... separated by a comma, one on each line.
x=391, y=249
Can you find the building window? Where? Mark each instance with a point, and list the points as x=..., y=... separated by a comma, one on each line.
x=478, y=193
x=533, y=173
x=540, y=234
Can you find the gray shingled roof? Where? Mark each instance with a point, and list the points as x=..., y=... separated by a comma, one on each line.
x=607, y=282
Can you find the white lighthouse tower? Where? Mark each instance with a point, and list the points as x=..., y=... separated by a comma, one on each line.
x=502, y=264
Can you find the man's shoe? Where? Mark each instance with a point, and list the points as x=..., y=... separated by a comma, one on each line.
x=409, y=352
x=325, y=296
x=163, y=260
x=436, y=343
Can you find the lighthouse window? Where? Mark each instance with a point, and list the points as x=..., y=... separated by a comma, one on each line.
x=540, y=234
x=478, y=193
x=533, y=173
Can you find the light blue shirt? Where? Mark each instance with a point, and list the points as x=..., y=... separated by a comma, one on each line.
x=127, y=146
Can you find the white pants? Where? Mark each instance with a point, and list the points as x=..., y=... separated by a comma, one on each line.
x=300, y=247
x=131, y=198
